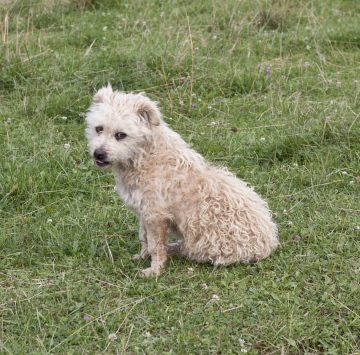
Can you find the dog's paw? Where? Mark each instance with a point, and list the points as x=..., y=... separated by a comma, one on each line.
x=151, y=271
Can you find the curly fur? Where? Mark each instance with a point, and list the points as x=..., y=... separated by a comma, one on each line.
x=217, y=217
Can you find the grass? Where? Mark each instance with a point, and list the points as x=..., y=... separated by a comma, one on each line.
x=277, y=102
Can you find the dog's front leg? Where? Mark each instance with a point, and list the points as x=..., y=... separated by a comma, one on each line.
x=143, y=238
x=157, y=240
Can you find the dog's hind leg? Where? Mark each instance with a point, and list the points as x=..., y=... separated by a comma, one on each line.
x=144, y=246
x=157, y=239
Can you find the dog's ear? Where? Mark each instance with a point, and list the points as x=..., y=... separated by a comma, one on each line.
x=150, y=113
x=104, y=94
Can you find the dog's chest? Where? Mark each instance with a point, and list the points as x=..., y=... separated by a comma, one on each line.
x=129, y=192
x=131, y=197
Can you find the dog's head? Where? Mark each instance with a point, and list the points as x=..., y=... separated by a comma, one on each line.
x=119, y=126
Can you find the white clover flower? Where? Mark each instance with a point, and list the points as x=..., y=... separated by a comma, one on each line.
x=243, y=350
x=295, y=164
x=49, y=220
x=112, y=337
x=193, y=95
x=104, y=37
x=331, y=102
x=338, y=84
x=355, y=82
x=330, y=81
x=242, y=342
x=289, y=223
x=344, y=173
x=124, y=19
x=181, y=103
x=285, y=212
x=144, y=23
x=306, y=39
x=119, y=27
x=209, y=107
x=351, y=182
x=147, y=334
x=199, y=99
x=216, y=297
x=213, y=123
x=308, y=47
x=307, y=64
x=204, y=286
x=136, y=22
x=307, y=28
x=262, y=139
x=214, y=37
x=64, y=118
x=357, y=228
x=66, y=146
x=162, y=14
x=190, y=270
x=196, y=48
x=104, y=28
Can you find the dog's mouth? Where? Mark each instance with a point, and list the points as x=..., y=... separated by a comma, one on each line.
x=101, y=163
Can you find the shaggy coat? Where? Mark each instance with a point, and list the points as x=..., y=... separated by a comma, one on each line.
x=173, y=190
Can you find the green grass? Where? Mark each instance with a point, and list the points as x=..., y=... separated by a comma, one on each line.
x=66, y=239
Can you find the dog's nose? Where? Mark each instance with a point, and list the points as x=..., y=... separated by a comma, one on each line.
x=99, y=154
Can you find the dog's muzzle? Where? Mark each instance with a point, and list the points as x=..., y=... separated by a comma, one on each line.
x=100, y=158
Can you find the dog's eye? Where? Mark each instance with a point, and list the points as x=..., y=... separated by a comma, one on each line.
x=99, y=129
x=120, y=135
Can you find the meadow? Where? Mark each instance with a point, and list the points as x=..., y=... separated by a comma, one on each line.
x=269, y=89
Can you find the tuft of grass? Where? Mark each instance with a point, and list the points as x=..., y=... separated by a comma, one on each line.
x=276, y=89
x=271, y=20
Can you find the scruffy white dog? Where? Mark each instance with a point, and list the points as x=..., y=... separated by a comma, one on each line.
x=216, y=217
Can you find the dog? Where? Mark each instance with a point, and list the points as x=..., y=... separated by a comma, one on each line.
x=173, y=190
